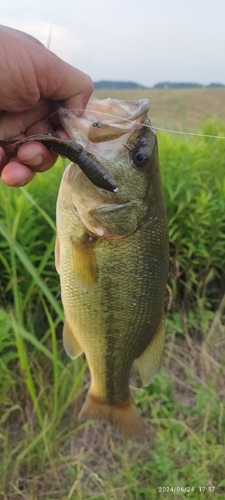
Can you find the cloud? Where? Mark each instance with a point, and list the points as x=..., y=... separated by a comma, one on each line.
x=142, y=41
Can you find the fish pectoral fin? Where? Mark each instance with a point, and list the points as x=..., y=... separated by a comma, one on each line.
x=150, y=361
x=84, y=264
x=57, y=254
x=70, y=343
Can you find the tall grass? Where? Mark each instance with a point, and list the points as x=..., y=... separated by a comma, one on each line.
x=29, y=315
x=43, y=453
x=194, y=185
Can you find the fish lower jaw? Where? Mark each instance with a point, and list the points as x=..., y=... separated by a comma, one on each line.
x=100, y=231
x=92, y=230
x=89, y=218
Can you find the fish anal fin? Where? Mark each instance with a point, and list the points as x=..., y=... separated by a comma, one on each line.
x=84, y=263
x=150, y=361
x=57, y=254
x=70, y=343
x=123, y=416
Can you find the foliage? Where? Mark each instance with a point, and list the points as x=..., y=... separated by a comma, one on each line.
x=194, y=185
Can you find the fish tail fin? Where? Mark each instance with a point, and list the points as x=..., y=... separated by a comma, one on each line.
x=123, y=416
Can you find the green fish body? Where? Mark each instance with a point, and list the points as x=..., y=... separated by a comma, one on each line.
x=112, y=257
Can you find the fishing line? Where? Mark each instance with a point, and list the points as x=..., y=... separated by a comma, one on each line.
x=189, y=133
x=210, y=136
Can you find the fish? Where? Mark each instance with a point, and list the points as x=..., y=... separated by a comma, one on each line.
x=111, y=254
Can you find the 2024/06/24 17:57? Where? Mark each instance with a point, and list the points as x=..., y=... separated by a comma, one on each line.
x=186, y=489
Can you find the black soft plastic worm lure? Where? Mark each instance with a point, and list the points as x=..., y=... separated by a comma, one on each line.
x=75, y=153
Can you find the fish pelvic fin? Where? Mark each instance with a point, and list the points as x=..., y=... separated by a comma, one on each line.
x=70, y=343
x=150, y=361
x=84, y=263
x=123, y=416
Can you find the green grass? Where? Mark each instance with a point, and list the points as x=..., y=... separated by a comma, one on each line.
x=194, y=183
x=43, y=452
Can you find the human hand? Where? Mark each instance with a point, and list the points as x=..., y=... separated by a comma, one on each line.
x=31, y=79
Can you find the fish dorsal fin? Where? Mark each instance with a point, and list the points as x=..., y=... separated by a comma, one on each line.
x=57, y=254
x=70, y=343
x=150, y=361
x=84, y=263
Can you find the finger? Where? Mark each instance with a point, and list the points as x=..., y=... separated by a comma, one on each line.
x=3, y=159
x=74, y=90
x=45, y=127
x=36, y=156
x=23, y=35
x=15, y=174
x=16, y=124
x=79, y=101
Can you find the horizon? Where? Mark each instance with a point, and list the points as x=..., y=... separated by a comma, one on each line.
x=161, y=82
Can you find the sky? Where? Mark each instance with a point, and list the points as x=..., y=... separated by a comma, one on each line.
x=145, y=41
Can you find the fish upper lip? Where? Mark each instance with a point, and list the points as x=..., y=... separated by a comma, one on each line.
x=110, y=119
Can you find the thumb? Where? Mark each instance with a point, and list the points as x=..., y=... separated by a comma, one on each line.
x=59, y=81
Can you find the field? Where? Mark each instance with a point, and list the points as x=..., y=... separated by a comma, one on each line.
x=44, y=453
x=183, y=109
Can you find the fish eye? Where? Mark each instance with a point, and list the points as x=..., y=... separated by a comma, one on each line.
x=140, y=157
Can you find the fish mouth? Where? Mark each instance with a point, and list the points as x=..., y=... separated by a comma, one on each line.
x=105, y=125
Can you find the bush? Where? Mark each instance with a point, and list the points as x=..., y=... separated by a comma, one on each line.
x=194, y=184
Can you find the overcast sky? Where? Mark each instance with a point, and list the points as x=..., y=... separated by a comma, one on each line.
x=145, y=41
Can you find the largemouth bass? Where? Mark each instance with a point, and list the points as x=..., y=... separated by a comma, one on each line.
x=112, y=257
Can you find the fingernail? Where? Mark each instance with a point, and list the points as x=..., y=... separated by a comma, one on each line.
x=37, y=160
x=23, y=183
